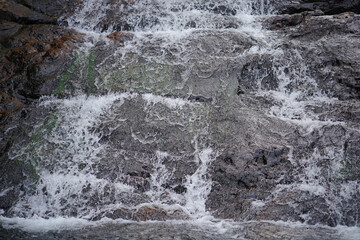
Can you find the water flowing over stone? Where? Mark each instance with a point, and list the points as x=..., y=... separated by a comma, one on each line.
x=215, y=119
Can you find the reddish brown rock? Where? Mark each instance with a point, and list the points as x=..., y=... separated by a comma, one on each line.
x=24, y=50
x=121, y=37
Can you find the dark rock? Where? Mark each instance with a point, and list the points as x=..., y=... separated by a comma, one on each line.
x=11, y=11
x=199, y=99
x=180, y=189
x=116, y=19
x=351, y=166
x=8, y=29
x=257, y=74
x=14, y=174
x=11, y=176
x=285, y=20
x=191, y=24
x=28, y=69
x=31, y=59
x=327, y=6
x=331, y=59
x=240, y=179
x=53, y=8
x=330, y=64
x=139, y=183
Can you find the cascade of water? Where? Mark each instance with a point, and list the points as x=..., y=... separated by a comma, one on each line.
x=161, y=15
x=146, y=151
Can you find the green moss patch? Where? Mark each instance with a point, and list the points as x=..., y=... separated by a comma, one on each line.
x=90, y=86
x=64, y=82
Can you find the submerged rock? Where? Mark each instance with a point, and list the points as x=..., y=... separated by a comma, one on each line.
x=151, y=213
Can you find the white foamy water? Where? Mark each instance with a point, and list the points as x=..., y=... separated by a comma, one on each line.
x=199, y=185
x=65, y=155
x=71, y=153
x=37, y=224
x=169, y=102
x=161, y=15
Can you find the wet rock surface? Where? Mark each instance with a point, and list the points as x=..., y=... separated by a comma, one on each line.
x=164, y=231
x=329, y=7
x=19, y=13
x=34, y=51
x=268, y=163
x=333, y=55
x=318, y=39
x=54, y=8
x=239, y=179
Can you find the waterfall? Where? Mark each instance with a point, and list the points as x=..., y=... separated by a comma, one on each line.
x=188, y=107
x=157, y=15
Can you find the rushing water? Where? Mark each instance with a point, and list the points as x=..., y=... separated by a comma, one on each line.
x=137, y=132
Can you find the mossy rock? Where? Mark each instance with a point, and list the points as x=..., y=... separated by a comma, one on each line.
x=79, y=77
x=29, y=153
x=160, y=79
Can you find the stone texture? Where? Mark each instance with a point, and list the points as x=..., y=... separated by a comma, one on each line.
x=120, y=37
x=53, y=8
x=329, y=7
x=263, y=161
x=15, y=12
x=333, y=59
x=241, y=178
x=33, y=54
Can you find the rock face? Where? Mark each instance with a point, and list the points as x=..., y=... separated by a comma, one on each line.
x=329, y=47
x=29, y=49
x=34, y=51
x=259, y=128
x=54, y=9
x=240, y=179
x=18, y=13
x=328, y=7
x=333, y=59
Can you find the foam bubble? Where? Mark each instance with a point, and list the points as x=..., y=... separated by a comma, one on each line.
x=37, y=224
x=169, y=102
